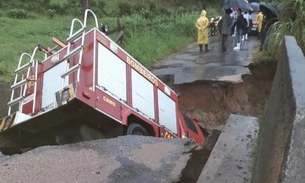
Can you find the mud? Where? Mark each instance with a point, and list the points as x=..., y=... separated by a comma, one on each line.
x=212, y=102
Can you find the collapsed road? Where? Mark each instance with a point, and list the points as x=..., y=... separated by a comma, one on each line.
x=212, y=87
x=122, y=159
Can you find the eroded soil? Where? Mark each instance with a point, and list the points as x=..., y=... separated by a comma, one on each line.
x=211, y=102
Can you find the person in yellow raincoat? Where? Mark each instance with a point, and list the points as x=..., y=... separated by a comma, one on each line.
x=259, y=19
x=202, y=24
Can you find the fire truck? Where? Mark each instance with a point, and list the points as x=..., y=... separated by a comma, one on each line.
x=85, y=88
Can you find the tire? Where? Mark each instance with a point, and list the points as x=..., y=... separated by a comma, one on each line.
x=136, y=129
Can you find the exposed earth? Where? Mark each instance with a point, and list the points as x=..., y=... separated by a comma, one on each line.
x=214, y=85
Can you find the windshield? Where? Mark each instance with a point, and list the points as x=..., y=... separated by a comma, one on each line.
x=190, y=124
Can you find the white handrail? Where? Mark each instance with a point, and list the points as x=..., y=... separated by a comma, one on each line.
x=16, y=78
x=72, y=25
x=86, y=17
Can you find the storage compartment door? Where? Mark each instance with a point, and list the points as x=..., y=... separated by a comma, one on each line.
x=52, y=82
x=167, y=112
x=142, y=95
x=111, y=73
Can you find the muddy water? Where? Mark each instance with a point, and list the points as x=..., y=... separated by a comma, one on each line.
x=5, y=94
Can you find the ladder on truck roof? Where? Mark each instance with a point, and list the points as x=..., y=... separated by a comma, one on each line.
x=73, y=36
x=21, y=84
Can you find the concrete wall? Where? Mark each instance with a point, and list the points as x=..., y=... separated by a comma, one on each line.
x=281, y=152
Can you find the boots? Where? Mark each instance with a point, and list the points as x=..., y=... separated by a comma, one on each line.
x=237, y=47
x=200, y=47
x=206, y=48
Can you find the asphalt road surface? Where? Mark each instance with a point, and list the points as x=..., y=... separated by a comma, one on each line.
x=128, y=159
x=190, y=65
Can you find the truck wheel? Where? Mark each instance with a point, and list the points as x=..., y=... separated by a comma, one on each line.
x=136, y=129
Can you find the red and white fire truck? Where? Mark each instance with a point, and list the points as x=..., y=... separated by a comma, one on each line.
x=89, y=88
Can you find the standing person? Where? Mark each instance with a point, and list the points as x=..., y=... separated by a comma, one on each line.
x=234, y=17
x=268, y=20
x=226, y=29
x=202, y=24
x=259, y=19
x=245, y=31
x=241, y=24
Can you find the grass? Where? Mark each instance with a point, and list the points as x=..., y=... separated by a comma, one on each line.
x=291, y=22
x=147, y=54
x=146, y=43
x=18, y=36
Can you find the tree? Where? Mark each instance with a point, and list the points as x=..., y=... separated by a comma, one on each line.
x=85, y=5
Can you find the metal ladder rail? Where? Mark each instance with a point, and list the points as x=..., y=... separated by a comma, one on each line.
x=16, y=83
x=35, y=88
x=94, y=52
x=35, y=79
x=23, y=82
x=70, y=40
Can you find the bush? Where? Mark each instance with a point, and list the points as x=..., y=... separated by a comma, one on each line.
x=51, y=13
x=186, y=24
x=39, y=6
x=125, y=8
x=58, y=9
x=152, y=6
x=20, y=14
x=98, y=7
x=139, y=7
x=164, y=11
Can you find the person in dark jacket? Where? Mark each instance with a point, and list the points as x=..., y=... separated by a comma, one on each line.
x=226, y=24
x=241, y=25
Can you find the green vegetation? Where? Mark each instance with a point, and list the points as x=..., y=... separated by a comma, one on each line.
x=151, y=31
x=18, y=36
x=291, y=22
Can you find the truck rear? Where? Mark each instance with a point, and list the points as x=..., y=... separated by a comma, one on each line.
x=88, y=89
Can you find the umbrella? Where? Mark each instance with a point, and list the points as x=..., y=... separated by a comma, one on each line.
x=254, y=5
x=268, y=7
x=242, y=4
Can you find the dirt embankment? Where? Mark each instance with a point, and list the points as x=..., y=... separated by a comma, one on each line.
x=212, y=102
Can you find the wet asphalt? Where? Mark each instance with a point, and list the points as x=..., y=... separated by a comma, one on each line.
x=190, y=65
